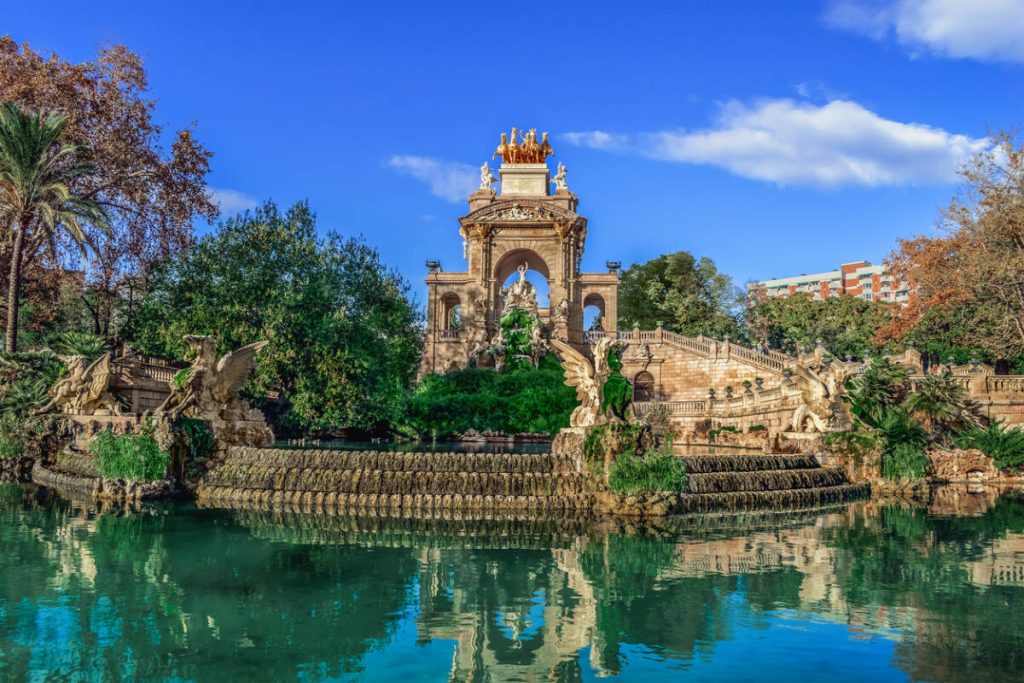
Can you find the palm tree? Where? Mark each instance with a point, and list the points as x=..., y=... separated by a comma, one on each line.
x=38, y=173
x=943, y=407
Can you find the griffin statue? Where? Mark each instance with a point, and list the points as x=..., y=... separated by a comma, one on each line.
x=85, y=390
x=211, y=386
x=588, y=378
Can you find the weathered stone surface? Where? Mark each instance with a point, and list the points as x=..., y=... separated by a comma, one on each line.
x=961, y=466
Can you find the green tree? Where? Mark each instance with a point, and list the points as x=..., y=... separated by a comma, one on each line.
x=37, y=173
x=344, y=336
x=844, y=325
x=685, y=294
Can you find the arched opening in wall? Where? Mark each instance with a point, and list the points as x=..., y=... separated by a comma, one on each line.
x=507, y=272
x=593, y=313
x=643, y=387
x=451, y=311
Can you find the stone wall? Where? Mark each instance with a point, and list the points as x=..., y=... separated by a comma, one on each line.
x=398, y=481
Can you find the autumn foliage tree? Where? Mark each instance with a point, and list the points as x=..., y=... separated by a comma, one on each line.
x=150, y=193
x=973, y=272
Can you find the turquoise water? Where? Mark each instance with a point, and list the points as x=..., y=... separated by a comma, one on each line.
x=863, y=593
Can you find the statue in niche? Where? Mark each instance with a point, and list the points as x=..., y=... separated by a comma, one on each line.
x=588, y=378
x=644, y=355
x=559, y=179
x=521, y=293
x=211, y=388
x=85, y=390
x=486, y=178
x=562, y=311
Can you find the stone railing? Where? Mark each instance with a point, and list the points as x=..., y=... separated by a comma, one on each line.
x=1004, y=384
x=673, y=407
x=448, y=335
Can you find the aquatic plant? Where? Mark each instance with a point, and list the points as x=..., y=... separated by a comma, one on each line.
x=130, y=456
x=650, y=471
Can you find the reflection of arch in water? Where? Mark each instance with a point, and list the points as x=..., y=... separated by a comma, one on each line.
x=644, y=387
x=506, y=271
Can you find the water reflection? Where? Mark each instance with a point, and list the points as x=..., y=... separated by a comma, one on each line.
x=870, y=591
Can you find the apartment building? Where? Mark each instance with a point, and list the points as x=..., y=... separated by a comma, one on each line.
x=859, y=278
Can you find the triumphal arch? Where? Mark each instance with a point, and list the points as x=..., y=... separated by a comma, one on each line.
x=522, y=226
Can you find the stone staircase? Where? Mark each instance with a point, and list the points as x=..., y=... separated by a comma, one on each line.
x=726, y=482
x=375, y=480
x=428, y=484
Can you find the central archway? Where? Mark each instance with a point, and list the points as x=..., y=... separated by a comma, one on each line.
x=506, y=271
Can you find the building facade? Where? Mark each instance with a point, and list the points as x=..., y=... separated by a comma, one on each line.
x=858, y=278
x=523, y=226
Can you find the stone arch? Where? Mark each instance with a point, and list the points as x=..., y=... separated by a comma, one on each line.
x=451, y=309
x=512, y=259
x=538, y=273
x=594, y=307
x=644, y=388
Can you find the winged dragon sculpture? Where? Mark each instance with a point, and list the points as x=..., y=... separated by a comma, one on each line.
x=588, y=378
x=210, y=389
x=85, y=390
x=822, y=409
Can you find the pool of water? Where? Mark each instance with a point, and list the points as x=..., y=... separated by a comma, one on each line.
x=421, y=446
x=869, y=592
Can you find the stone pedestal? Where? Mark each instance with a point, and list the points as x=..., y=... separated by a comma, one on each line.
x=524, y=180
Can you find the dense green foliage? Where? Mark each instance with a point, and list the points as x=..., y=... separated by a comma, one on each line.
x=844, y=325
x=130, y=456
x=905, y=422
x=684, y=294
x=649, y=471
x=517, y=326
x=1005, y=446
x=639, y=462
x=344, y=337
x=526, y=399
x=618, y=392
x=80, y=344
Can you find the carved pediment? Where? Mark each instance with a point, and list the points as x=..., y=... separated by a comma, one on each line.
x=520, y=212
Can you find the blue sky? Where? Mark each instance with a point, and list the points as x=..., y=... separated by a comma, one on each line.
x=777, y=138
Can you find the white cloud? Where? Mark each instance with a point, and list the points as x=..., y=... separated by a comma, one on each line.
x=977, y=29
x=452, y=181
x=797, y=143
x=231, y=201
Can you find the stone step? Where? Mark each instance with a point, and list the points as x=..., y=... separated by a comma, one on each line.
x=763, y=480
x=767, y=500
x=396, y=461
x=319, y=500
x=394, y=482
x=706, y=464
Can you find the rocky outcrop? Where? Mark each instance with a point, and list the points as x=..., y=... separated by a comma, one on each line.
x=15, y=469
x=961, y=466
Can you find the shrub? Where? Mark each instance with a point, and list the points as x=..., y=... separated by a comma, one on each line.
x=877, y=391
x=526, y=399
x=903, y=456
x=756, y=428
x=80, y=344
x=130, y=456
x=903, y=461
x=652, y=471
x=12, y=442
x=1005, y=446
